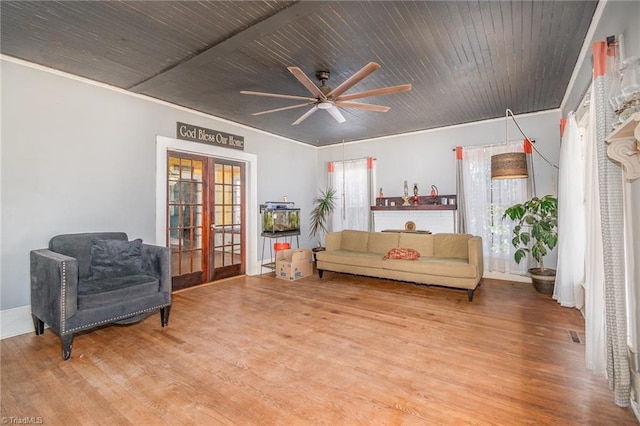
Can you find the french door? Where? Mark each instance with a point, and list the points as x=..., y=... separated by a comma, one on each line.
x=205, y=217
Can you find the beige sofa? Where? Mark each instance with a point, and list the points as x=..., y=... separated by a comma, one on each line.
x=451, y=260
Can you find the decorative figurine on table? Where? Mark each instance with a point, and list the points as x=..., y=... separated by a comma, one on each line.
x=405, y=197
x=434, y=194
x=415, y=193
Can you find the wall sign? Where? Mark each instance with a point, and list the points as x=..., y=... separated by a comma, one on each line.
x=189, y=132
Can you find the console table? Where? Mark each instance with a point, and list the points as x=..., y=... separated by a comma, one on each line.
x=429, y=213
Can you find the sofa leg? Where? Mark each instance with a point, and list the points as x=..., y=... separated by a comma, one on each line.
x=67, y=343
x=470, y=295
x=164, y=315
x=320, y=271
x=38, y=324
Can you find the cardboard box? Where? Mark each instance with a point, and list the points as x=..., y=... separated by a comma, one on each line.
x=294, y=264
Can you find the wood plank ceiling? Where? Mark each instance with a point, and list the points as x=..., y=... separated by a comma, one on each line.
x=466, y=61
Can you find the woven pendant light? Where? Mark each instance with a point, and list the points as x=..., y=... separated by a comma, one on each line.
x=511, y=165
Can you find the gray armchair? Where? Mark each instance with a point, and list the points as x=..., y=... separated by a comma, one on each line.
x=83, y=281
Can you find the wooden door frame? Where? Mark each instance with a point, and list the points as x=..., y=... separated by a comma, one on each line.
x=164, y=144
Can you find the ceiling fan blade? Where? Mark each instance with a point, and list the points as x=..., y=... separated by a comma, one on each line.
x=355, y=78
x=306, y=82
x=304, y=116
x=336, y=114
x=275, y=95
x=376, y=92
x=368, y=107
x=280, y=109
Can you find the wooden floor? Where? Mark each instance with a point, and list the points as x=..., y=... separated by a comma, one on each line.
x=343, y=350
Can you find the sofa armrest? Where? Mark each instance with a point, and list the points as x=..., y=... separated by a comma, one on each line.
x=54, y=287
x=156, y=261
x=475, y=253
x=333, y=241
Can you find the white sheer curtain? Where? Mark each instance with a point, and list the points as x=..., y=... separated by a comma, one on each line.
x=595, y=356
x=486, y=201
x=570, y=274
x=354, y=182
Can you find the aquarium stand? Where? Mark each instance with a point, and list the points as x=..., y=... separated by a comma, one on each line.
x=286, y=236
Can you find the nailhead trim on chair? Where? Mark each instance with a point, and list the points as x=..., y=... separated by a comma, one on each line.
x=115, y=318
x=63, y=323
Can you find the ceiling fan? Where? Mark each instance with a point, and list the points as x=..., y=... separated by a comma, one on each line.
x=328, y=99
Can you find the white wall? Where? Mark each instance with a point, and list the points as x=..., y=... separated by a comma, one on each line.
x=81, y=157
x=427, y=157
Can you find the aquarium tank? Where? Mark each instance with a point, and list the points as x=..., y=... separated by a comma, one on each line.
x=280, y=217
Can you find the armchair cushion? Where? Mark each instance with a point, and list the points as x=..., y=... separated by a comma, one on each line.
x=95, y=293
x=78, y=246
x=116, y=258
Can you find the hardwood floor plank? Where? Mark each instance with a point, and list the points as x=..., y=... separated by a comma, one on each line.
x=338, y=350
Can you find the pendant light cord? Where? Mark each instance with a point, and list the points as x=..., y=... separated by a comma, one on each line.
x=523, y=134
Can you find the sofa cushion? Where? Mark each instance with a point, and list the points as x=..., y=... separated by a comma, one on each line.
x=382, y=242
x=116, y=258
x=94, y=293
x=421, y=242
x=354, y=240
x=347, y=257
x=402, y=253
x=451, y=245
x=433, y=266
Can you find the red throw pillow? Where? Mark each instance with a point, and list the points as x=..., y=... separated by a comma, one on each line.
x=402, y=253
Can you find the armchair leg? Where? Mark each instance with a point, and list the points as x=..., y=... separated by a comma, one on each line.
x=164, y=315
x=38, y=324
x=67, y=343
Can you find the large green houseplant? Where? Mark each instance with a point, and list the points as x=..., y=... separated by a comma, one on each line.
x=323, y=206
x=536, y=232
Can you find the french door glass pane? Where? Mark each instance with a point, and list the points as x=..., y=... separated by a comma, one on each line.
x=185, y=195
x=227, y=214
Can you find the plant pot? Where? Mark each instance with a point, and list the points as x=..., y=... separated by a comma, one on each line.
x=543, y=280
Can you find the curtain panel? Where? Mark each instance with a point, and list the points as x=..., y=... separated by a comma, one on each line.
x=612, y=216
x=355, y=183
x=570, y=276
x=461, y=221
x=595, y=355
x=484, y=201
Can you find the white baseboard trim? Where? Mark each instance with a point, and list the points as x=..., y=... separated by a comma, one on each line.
x=15, y=321
x=506, y=277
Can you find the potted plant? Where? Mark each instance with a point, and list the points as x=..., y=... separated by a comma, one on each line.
x=536, y=232
x=323, y=206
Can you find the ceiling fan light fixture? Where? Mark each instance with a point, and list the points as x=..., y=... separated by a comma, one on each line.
x=329, y=99
x=323, y=75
